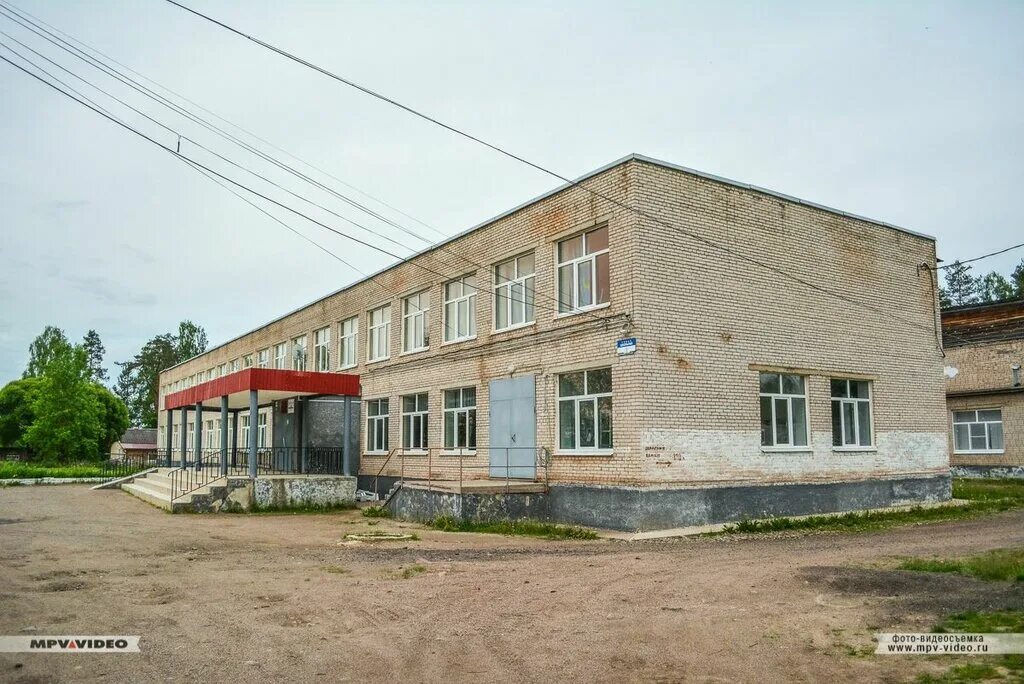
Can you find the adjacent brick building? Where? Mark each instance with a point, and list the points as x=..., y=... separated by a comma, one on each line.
x=722, y=352
x=985, y=390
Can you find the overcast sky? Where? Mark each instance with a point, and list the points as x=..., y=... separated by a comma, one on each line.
x=906, y=112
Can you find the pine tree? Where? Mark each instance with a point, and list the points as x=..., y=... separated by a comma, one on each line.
x=961, y=286
x=95, y=351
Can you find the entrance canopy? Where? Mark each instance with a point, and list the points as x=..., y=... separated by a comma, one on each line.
x=272, y=385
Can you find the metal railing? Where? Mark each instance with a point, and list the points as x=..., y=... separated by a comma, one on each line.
x=453, y=469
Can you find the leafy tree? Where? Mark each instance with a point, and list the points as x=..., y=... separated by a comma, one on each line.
x=112, y=416
x=50, y=343
x=961, y=287
x=66, y=425
x=95, y=351
x=17, y=412
x=138, y=381
x=993, y=287
x=1017, y=279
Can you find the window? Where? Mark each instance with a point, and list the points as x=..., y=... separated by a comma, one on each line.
x=281, y=355
x=585, y=410
x=322, y=350
x=978, y=432
x=513, y=292
x=247, y=361
x=176, y=436
x=460, y=418
x=261, y=430
x=222, y=370
x=414, y=422
x=299, y=353
x=377, y=425
x=243, y=433
x=191, y=443
x=460, y=309
x=235, y=365
x=347, y=345
x=415, y=329
x=783, y=410
x=380, y=334
x=208, y=435
x=263, y=358
x=583, y=271
x=851, y=413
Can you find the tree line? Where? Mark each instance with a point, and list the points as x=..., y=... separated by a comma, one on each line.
x=962, y=287
x=61, y=409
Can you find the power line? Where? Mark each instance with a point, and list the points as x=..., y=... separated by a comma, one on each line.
x=89, y=104
x=538, y=167
x=979, y=258
x=110, y=71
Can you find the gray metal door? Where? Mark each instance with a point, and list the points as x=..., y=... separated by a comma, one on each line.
x=513, y=427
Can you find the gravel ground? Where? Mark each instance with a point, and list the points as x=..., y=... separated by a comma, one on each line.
x=286, y=598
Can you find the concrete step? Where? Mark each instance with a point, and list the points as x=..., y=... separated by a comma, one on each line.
x=155, y=488
x=148, y=495
x=160, y=478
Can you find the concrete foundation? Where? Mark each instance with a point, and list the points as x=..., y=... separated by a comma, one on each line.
x=639, y=509
x=988, y=471
x=239, y=494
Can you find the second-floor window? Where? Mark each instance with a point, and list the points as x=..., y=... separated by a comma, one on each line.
x=263, y=358
x=348, y=334
x=247, y=361
x=415, y=328
x=513, y=292
x=281, y=355
x=379, y=339
x=460, y=309
x=322, y=350
x=583, y=271
x=299, y=353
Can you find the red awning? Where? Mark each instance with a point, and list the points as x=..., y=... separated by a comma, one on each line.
x=272, y=385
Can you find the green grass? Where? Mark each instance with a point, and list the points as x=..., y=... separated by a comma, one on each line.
x=16, y=470
x=527, y=528
x=376, y=512
x=1001, y=564
x=981, y=668
x=984, y=496
x=411, y=571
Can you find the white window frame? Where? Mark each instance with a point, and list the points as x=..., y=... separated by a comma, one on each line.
x=986, y=426
x=243, y=433
x=348, y=343
x=263, y=358
x=378, y=338
x=300, y=345
x=419, y=319
x=577, y=399
x=788, y=398
x=261, y=430
x=222, y=370
x=247, y=361
x=410, y=418
x=322, y=350
x=281, y=356
x=856, y=402
x=463, y=410
x=235, y=365
x=573, y=307
x=378, y=424
x=463, y=305
x=503, y=293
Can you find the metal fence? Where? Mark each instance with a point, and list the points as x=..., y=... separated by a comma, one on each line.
x=459, y=469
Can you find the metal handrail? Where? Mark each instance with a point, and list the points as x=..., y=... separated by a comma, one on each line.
x=385, y=465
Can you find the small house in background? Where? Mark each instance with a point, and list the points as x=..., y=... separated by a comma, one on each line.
x=985, y=389
x=134, y=442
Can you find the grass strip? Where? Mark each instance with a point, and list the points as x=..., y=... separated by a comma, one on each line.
x=1000, y=565
x=524, y=528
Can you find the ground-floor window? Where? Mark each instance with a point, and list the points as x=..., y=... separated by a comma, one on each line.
x=243, y=435
x=377, y=425
x=783, y=410
x=851, y=413
x=414, y=422
x=585, y=410
x=261, y=430
x=978, y=432
x=460, y=418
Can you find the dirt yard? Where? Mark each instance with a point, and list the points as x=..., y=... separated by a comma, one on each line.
x=284, y=598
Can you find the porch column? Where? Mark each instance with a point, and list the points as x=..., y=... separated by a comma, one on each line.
x=346, y=435
x=254, y=409
x=199, y=435
x=184, y=435
x=170, y=437
x=300, y=423
x=234, y=438
x=224, y=435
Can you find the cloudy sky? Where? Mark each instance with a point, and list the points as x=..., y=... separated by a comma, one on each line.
x=906, y=112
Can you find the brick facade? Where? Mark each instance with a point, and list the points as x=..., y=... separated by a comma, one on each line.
x=686, y=403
